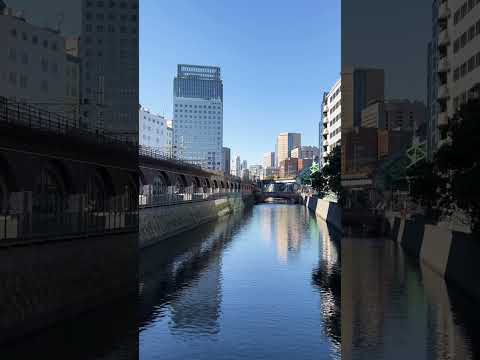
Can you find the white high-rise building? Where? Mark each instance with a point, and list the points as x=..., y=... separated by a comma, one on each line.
x=154, y=131
x=198, y=116
x=332, y=119
x=269, y=159
x=457, y=65
x=238, y=167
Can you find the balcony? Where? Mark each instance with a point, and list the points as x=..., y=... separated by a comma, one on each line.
x=443, y=65
x=443, y=38
x=325, y=131
x=443, y=92
x=443, y=11
x=442, y=119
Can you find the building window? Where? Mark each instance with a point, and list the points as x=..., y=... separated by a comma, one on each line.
x=23, y=81
x=44, y=85
x=12, y=78
x=13, y=32
x=25, y=58
x=12, y=55
x=44, y=65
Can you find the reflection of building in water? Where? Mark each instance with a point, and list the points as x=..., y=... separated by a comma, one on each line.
x=450, y=342
x=288, y=235
x=387, y=301
x=327, y=278
x=197, y=308
x=267, y=223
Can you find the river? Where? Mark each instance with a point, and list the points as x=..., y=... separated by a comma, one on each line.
x=269, y=284
x=259, y=285
x=393, y=307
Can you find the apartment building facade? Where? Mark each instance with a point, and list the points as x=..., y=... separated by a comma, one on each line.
x=458, y=67
x=332, y=119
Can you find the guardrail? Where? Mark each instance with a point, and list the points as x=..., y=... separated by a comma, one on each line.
x=31, y=117
x=27, y=227
x=148, y=201
x=26, y=115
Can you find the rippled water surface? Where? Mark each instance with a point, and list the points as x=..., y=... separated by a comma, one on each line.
x=395, y=308
x=262, y=285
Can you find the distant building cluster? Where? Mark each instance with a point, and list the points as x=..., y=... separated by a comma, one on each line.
x=289, y=159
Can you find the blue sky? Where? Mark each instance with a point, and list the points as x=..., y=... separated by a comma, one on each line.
x=277, y=57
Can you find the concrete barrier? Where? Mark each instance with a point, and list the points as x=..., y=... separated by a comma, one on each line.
x=463, y=267
x=435, y=248
x=159, y=223
x=326, y=210
x=412, y=233
x=451, y=254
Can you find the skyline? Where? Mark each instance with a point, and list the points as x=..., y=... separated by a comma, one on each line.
x=281, y=55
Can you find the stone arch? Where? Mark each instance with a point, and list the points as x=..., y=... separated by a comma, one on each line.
x=158, y=188
x=130, y=193
x=49, y=190
x=180, y=184
x=96, y=191
x=4, y=195
x=196, y=182
x=142, y=182
x=7, y=184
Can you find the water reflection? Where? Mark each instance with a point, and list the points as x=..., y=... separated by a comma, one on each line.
x=327, y=277
x=257, y=285
x=394, y=308
x=109, y=332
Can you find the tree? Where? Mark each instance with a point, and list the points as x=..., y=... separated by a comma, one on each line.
x=328, y=179
x=451, y=181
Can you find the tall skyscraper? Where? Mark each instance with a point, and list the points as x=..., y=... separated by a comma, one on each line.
x=359, y=87
x=226, y=160
x=238, y=166
x=269, y=160
x=198, y=115
x=286, y=142
x=109, y=61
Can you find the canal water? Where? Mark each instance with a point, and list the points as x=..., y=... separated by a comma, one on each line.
x=269, y=284
x=259, y=285
x=393, y=307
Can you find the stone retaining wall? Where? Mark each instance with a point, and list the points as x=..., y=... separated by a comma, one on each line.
x=159, y=223
x=453, y=255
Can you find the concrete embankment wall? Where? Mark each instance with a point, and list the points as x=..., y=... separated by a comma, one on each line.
x=159, y=223
x=453, y=255
x=326, y=210
x=45, y=283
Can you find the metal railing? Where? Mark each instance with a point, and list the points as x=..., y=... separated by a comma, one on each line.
x=25, y=227
x=26, y=115
x=186, y=196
